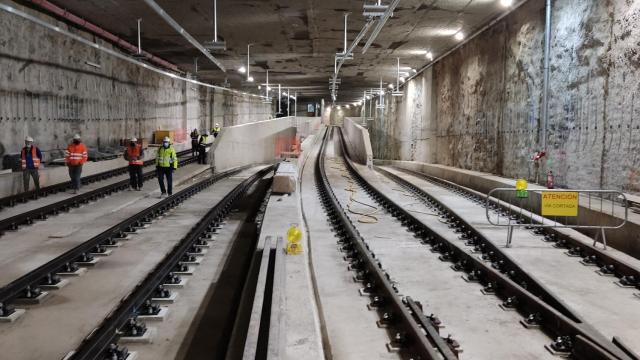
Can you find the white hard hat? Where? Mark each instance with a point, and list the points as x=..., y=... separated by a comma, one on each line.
x=217, y=124
x=206, y=133
x=29, y=139
x=76, y=137
x=133, y=139
x=166, y=139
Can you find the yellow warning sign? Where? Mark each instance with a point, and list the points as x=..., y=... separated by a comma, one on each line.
x=559, y=203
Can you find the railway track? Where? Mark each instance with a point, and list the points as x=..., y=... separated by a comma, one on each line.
x=45, y=191
x=29, y=287
x=502, y=278
x=43, y=213
x=626, y=274
x=412, y=333
x=102, y=343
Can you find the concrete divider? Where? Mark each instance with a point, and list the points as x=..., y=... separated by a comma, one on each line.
x=253, y=143
x=358, y=141
x=11, y=183
x=625, y=239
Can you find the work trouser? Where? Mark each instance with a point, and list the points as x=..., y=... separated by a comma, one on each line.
x=135, y=176
x=168, y=173
x=202, y=155
x=26, y=173
x=75, y=173
x=194, y=147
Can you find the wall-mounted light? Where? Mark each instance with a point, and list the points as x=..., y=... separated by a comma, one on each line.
x=242, y=70
x=250, y=79
x=97, y=66
x=506, y=3
x=390, y=86
x=429, y=56
x=414, y=71
x=401, y=79
x=459, y=35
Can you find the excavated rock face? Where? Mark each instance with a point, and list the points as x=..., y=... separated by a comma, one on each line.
x=488, y=99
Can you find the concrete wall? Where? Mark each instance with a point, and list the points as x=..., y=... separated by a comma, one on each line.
x=480, y=107
x=358, y=141
x=48, y=90
x=253, y=143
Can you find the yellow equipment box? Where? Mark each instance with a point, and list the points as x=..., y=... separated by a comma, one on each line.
x=158, y=135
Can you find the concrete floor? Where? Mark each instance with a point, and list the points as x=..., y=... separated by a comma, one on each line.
x=58, y=325
x=350, y=329
x=473, y=319
x=579, y=286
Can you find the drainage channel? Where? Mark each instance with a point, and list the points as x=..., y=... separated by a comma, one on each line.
x=42, y=213
x=31, y=287
x=572, y=336
x=123, y=322
x=412, y=334
x=626, y=275
x=26, y=196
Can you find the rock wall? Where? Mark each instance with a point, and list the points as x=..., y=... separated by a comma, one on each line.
x=49, y=90
x=487, y=98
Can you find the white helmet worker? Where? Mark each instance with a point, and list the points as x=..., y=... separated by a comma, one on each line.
x=166, y=139
x=217, y=125
x=28, y=139
x=134, y=139
x=76, y=137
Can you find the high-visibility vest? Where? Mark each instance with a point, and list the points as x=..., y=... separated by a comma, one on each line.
x=136, y=152
x=34, y=157
x=216, y=130
x=76, y=154
x=167, y=157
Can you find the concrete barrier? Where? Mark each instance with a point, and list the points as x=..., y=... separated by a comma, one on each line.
x=358, y=141
x=253, y=143
x=11, y=183
x=625, y=239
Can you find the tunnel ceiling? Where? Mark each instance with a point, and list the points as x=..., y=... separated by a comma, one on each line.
x=295, y=39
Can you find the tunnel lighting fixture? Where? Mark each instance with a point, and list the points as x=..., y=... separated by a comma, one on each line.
x=259, y=87
x=97, y=66
x=401, y=79
x=368, y=97
x=459, y=36
x=242, y=70
x=429, y=56
x=381, y=97
x=418, y=52
x=506, y=3
x=250, y=79
x=414, y=71
x=215, y=44
x=390, y=86
x=338, y=107
x=348, y=107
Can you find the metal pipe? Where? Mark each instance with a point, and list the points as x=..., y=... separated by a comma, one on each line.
x=545, y=86
x=295, y=107
x=215, y=20
x=398, y=77
x=248, y=65
x=344, y=49
x=139, y=41
x=163, y=14
x=92, y=28
x=288, y=103
x=380, y=25
x=279, y=99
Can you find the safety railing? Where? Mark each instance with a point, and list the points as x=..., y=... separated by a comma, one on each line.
x=598, y=210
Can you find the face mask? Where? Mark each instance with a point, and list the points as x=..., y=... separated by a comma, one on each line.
x=165, y=145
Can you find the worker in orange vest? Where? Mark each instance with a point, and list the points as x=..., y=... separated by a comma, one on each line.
x=75, y=156
x=134, y=154
x=30, y=157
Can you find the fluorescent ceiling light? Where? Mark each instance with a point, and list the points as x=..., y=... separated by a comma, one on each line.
x=414, y=71
x=390, y=86
x=430, y=56
x=506, y=3
x=242, y=70
x=418, y=52
x=459, y=36
x=368, y=97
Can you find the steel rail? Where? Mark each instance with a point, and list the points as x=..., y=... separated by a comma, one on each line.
x=537, y=312
x=23, y=197
x=98, y=342
x=409, y=336
x=42, y=213
x=628, y=274
x=35, y=278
